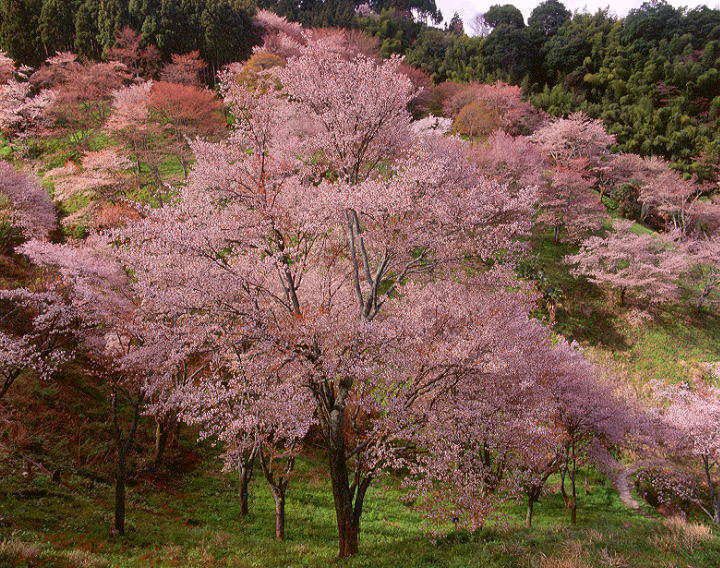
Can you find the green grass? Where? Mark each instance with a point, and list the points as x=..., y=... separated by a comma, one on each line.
x=638, y=342
x=194, y=521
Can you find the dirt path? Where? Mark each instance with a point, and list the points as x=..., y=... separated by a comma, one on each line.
x=622, y=485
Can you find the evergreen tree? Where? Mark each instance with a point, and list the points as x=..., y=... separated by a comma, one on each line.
x=86, y=30
x=228, y=32
x=19, y=30
x=505, y=15
x=112, y=16
x=456, y=25
x=548, y=17
x=57, y=25
x=178, y=27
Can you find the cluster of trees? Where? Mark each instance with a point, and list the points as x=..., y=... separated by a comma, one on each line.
x=334, y=274
x=221, y=30
x=651, y=76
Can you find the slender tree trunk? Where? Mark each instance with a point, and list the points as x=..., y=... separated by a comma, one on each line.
x=162, y=431
x=124, y=444
x=279, y=497
x=8, y=382
x=573, y=485
x=556, y=234
x=120, y=475
x=714, y=491
x=532, y=499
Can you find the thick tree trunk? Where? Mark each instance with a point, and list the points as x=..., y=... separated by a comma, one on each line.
x=348, y=522
x=348, y=499
x=120, y=475
x=279, y=496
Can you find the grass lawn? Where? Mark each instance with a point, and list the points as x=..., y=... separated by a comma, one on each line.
x=193, y=521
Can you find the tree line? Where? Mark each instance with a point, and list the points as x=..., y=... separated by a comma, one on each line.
x=33, y=30
x=652, y=76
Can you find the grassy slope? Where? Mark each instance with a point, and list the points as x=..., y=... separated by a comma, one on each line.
x=193, y=520
x=638, y=344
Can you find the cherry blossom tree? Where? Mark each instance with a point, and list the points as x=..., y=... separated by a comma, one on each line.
x=100, y=180
x=704, y=273
x=589, y=413
x=7, y=67
x=576, y=136
x=568, y=203
x=38, y=334
x=576, y=149
x=692, y=418
x=82, y=90
x=513, y=160
x=128, y=50
x=645, y=265
x=182, y=112
x=156, y=119
x=434, y=125
x=23, y=112
x=500, y=100
x=258, y=418
x=25, y=203
x=102, y=298
x=185, y=69
x=293, y=240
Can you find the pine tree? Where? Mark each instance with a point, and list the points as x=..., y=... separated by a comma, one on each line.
x=86, y=30
x=111, y=18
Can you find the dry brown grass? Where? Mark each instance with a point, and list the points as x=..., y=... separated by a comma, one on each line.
x=680, y=534
x=84, y=559
x=18, y=550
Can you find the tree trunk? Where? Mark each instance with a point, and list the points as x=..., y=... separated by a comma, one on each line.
x=120, y=474
x=279, y=496
x=8, y=382
x=246, y=473
x=529, y=512
x=556, y=234
x=162, y=431
x=714, y=490
x=573, y=485
x=347, y=523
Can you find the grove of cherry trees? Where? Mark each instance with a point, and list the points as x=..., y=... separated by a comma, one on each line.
x=320, y=252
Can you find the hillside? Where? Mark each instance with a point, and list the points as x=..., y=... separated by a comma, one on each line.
x=302, y=302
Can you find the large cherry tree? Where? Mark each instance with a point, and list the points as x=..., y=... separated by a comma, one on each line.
x=326, y=246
